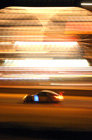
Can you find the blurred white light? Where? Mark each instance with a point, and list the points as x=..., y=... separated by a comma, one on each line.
x=48, y=63
x=25, y=78
x=45, y=43
x=44, y=47
x=71, y=84
x=5, y=43
x=86, y=3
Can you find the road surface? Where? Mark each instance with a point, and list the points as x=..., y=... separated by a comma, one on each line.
x=75, y=113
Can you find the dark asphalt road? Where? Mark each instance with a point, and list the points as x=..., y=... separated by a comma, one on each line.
x=71, y=119
x=44, y=121
x=75, y=113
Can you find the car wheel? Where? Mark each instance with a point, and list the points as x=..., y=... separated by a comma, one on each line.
x=28, y=99
x=24, y=101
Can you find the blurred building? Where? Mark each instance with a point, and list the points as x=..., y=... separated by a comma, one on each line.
x=22, y=27
x=43, y=41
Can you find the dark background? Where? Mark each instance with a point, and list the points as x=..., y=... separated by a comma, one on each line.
x=44, y=3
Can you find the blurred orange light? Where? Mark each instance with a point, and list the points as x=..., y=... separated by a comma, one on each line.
x=59, y=97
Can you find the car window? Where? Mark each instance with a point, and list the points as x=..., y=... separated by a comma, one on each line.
x=52, y=94
x=42, y=94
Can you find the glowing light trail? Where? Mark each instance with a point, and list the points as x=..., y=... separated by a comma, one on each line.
x=86, y=3
x=48, y=63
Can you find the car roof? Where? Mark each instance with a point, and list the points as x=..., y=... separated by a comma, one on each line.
x=49, y=91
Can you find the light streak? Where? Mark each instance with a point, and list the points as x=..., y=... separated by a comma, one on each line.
x=62, y=69
x=59, y=97
x=46, y=43
x=62, y=84
x=20, y=36
x=25, y=78
x=48, y=63
x=86, y=3
x=29, y=8
x=5, y=43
